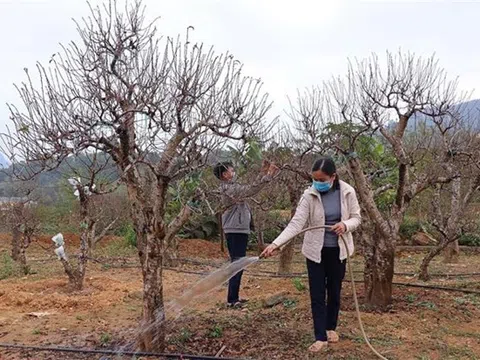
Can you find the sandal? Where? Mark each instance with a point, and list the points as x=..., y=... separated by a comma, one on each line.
x=332, y=336
x=318, y=346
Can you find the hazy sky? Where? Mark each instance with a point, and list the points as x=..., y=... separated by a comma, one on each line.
x=290, y=44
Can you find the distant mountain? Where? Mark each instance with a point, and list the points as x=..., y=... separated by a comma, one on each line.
x=469, y=112
x=4, y=162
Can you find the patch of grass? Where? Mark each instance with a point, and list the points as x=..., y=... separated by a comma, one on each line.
x=457, y=353
x=473, y=299
x=411, y=298
x=460, y=301
x=355, y=338
x=130, y=236
x=377, y=340
x=106, y=267
x=184, y=336
x=133, y=308
x=79, y=318
x=386, y=341
x=469, y=240
x=306, y=341
x=8, y=267
x=216, y=332
x=409, y=260
x=253, y=305
x=36, y=332
x=299, y=285
x=428, y=305
x=461, y=333
x=422, y=357
x=105, y=338
x=289, y=303
x=117, y=248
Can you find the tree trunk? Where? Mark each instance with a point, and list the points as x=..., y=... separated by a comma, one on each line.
x=261, y=242
x=22, y=259
x=91, y=237
x=286, y=257
x=452, y=253
x=151, y=234
x=84, y=253
x=379, y=248
x=379, y=254
x=75, y=275
x=170, y=255
x=19, y=249
x=423, y=271
x=152, y=332
x=16, y=243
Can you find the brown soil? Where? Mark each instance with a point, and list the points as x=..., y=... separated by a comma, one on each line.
x=421, y=324
x=196, y=248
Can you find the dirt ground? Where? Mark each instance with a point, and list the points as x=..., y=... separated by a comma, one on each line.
x=421, y=324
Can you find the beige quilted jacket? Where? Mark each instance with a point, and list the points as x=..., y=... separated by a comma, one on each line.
x=310, y=213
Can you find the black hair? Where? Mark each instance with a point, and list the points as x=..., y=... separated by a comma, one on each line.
x=327, y=166
x=221, y=168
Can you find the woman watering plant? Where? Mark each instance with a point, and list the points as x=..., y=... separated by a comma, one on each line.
x=333, y=203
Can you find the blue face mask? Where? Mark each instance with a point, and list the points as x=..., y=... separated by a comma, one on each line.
x=322, y=186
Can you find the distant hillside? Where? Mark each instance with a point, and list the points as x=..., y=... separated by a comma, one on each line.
x=4, y=162
x=469, y=112
x=50, y=183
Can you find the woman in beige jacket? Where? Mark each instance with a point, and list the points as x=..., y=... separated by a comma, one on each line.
x=334, y=203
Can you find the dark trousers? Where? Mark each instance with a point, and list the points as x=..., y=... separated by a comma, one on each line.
x=237, y=248
x=325, y=277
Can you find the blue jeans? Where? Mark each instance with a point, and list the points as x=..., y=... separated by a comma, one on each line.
x=325, y=279
x=237, y=248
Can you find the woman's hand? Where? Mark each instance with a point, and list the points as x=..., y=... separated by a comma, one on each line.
x=270, y=250
x=339, y=228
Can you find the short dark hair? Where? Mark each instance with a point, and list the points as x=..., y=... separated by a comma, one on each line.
x=221, y=168
x=327, y=166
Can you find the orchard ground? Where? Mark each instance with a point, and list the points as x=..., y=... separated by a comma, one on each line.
x=40, y=309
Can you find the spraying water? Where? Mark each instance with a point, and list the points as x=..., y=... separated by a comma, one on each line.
x=209, y=283
x=197, y=291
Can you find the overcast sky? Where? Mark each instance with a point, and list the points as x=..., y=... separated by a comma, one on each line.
x=290, y=44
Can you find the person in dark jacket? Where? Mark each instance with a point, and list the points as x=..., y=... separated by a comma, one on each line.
x=237, y=218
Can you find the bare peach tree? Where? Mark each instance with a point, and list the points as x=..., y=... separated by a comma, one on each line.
x=450, y=202
x=20, y=215
x=396, y=105
x=158, y=107
x=90, y=181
